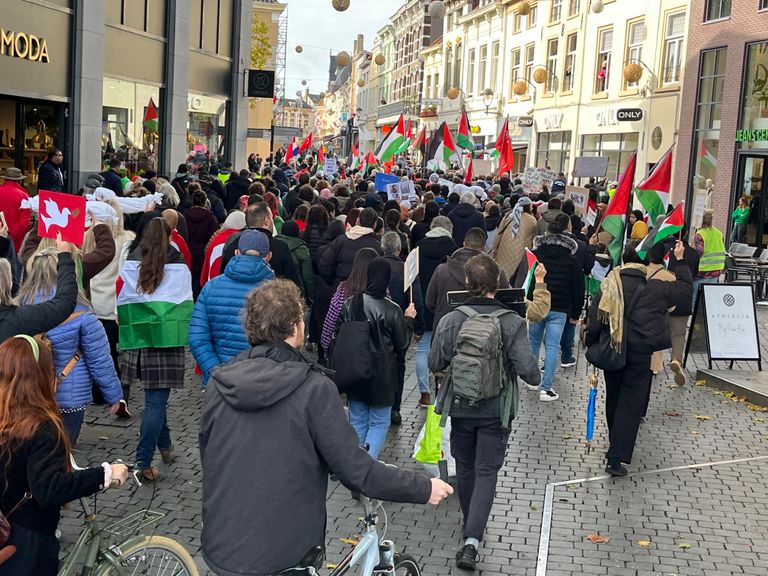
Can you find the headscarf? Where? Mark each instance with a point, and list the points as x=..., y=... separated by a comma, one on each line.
x=639, y=230
x=517, y=213
x=379, y=273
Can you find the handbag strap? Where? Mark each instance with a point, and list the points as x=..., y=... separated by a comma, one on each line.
x=24, y=499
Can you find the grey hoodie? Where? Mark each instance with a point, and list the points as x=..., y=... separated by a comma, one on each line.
x=272, y=428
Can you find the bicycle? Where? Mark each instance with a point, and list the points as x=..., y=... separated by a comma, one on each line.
x=120, y=550
x=375, y=556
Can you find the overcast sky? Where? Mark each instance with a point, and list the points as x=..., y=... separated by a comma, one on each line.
x=319, y=29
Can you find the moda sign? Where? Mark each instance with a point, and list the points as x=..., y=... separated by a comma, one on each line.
x=24, y=46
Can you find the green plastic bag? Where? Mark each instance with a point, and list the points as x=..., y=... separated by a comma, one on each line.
x=429, y=450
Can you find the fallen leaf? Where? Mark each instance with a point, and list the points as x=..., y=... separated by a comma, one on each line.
x=671, y=413
x=597, y=539
x=760, y=420
x=694, y=432
x=566, y=436
x=702, y=417
x=673, y=386
x=103, y=437
x=701, y=382
x=729, y=394
x=350, y=541
x=331, y=566
x=757, y=407
x=534, y=507
x=572, y=487
x=644, y=543
x=683, y=545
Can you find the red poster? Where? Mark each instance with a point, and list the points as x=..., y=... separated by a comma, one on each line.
x=63, y=213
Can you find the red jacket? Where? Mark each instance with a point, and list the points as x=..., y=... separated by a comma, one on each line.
x=178, y=242
x=11, y=195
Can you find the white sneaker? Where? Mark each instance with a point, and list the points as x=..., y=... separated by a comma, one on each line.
x=548, y=395
x=532, y=387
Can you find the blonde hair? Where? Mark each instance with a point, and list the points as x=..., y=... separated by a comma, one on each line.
x=42, y=276
x=6, y=283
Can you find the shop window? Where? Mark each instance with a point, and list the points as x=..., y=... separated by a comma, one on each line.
x=717, y=9
x=573, y=7
x=553, y=150
x=673, y=47
x=616, y=147
x=483, y=70
x=551, y=84
x=763, y=5
x=754, y=105
x=532, y=16
x=556, y=12
x=634, y=52
x=7, y=133
x=604, y=48
x=206, y=126
x=570, y=63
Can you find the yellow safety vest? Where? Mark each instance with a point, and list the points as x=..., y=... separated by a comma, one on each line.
x=713, y=258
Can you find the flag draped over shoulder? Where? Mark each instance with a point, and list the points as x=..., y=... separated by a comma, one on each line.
x=213, y=255
x=615, y=217
x=160, y=319
x=653, y=193
x=391, y=144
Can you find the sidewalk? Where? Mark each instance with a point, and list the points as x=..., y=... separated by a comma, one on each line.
x=698, y=521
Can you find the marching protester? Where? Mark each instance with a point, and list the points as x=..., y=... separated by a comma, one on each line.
x=336, y=262
x=465, y=217
x=480, y=427
x=12, y=193
x=301, y=257
x=515, y=234
x=201, y=224
x=679, y=317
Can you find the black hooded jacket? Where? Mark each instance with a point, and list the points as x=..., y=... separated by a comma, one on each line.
x=433, y=251
x=276, y=422
x=565, y=277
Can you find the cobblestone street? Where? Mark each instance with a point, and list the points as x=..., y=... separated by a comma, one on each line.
x=708, y=520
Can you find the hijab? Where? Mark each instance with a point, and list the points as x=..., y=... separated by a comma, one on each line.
x=379, y=273
x=517, y=213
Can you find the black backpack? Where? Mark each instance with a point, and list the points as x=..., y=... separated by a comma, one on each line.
x=352, y=357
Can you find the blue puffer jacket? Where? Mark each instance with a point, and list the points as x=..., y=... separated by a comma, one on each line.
x=84, y=333
x=216, y=331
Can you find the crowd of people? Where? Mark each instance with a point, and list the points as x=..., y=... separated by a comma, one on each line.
x=252, y=269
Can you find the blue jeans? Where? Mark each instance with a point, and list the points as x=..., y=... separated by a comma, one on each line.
x=154, y=426
x=566, y=342
x=422, y=354
x=551, y=331
x=371, y=425
x=73, y=421
x=698, y=282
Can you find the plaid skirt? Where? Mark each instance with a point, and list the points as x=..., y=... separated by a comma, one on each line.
x=153, y=367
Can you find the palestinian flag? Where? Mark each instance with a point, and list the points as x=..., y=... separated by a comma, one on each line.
x=442, y=151
x=653, y=193
x=213, y=254
x=407, y=140
x=531, y=261
x=420, y=140
x=470, y=172
x=151, y=117
x=504, y=150
x=306, y=144
x=463, y=140
x=705, y=156
x=369, y=162
x=160, y=319
x=392, y=143
x=673, y=224
x=615, y=217
x=353, y=163
x=591, y=214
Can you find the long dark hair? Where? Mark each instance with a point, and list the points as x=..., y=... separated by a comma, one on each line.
x=317, y=219
x=358, y=278
x=154, y=255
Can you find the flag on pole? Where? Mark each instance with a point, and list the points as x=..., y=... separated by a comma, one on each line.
x=369, y=162
x=292, y=151
x=470, y=172
x=391, y=144
x=355, y=158
x=407, y=140
x=615, y=218
x=442, y=151
x=673, y=224
x=151, y=117
x=463, y=139
x=532, y=262
x=321, y=157
x=653, y=193
x=504, y=150
x=306, y=144
x=420, y=140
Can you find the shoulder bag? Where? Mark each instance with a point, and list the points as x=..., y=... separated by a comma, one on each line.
x=5, y=524
x=352, y=358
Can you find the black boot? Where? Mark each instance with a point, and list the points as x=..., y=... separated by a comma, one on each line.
x=615, y=468
x=467, y=557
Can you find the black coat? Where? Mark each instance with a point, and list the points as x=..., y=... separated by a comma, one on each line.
x=235, y=188
x=32, y=319
x=336, y=262
x=314, y=239
x=465, y=217
x=113, y=181
x=585, y=254
x=565, y=277
x=647, y=328
x=281, y=262
x=391, y=334
x=399, y=295
x=281, y=418
x=419, y=231
x=690, y=259
x=50, y=177
x=432, y=252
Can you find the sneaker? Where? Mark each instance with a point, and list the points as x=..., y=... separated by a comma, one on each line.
x=167, y=455
x=122, y=410
x=150, y=474
x=425, y=400
x=467, y=557
x=396, y=419
x=548, y=395
x=677, y=368
x=532, y=387
x=616, y=469
x=567, y=363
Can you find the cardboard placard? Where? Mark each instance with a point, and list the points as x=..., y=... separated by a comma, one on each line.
x=411, y=268
x=579, y=197
x=534, y=178
x=382, y=179
x=330, y=167
x=405, y=190
x=590, y=166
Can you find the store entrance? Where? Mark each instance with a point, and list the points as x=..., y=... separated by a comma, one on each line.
x=752, y=183
x=28, y=128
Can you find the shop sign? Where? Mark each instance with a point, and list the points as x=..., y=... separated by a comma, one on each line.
x=553, y=121
x=751, y=135
x=525, y=121
x=474, y=129
x=606, y=117
x=629, y=115
x=24, y=46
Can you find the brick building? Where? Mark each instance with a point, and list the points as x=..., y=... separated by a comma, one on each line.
x=722, y=151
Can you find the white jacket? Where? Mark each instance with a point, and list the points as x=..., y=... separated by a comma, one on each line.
x=103, y=285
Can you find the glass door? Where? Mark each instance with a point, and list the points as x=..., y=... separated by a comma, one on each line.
x=752, y=184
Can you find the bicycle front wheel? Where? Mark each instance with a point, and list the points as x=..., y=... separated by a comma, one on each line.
x=154, y=556
x=406, y=565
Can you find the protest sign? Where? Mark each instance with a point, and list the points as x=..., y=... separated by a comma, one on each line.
x=63, y=213
x=411, y=268
x=400, y=191
x=535, y=178
x=382, y=179
x=330, y=166
x=579, y=197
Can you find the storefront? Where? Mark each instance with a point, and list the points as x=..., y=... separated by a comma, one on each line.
x=554, y=139
x=34, y=84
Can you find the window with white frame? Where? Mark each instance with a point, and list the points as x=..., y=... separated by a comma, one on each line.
x=551, y=84
x=673, y=47
x=763, y=5
x=557, y=9
x=532, y=16
x=518, y=22
x=471, y=57
x=570, y=63
x=717, y=9
x=573, y=7
x=635, y=37
x=448, y=68
x=495, y=53
x=530, y=53
x=604, y=47
x=482, y=70
x=436, y=85
x=514, y=66
x=457, y=69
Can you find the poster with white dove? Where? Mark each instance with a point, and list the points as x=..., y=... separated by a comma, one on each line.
x=63, y=213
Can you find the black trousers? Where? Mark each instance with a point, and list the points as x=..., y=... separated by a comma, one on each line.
x=400, y=359
x=113, y=335
x=36, y=554
x=626, y=394
x=479, y=446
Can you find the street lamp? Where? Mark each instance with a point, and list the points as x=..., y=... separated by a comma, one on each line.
x=488, y=100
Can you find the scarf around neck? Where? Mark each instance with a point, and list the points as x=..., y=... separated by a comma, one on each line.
x=517, y=214
x=611, y=308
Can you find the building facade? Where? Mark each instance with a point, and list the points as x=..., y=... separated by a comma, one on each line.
x=724, y=156
x=144, y=81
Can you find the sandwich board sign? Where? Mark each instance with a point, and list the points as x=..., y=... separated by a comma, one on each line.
x=724, y=324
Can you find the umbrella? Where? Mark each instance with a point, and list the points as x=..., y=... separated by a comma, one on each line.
x=592, y=384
